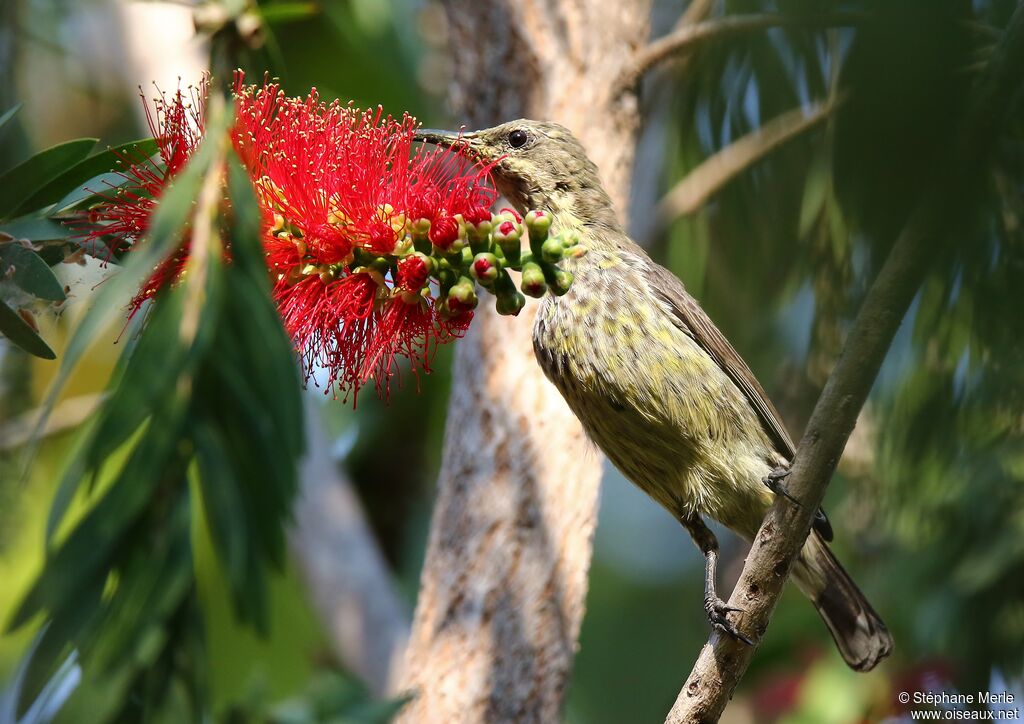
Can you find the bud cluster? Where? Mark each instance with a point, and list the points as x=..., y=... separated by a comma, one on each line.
x=480, y=254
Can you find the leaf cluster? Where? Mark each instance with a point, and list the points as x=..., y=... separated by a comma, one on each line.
x=204, y=413
x=35, y=197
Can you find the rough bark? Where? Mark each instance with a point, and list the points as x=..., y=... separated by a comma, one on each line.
x=348, y=579
x=505, y=577
x=723, y=661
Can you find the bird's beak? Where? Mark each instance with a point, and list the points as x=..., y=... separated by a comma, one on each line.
x=462, y=143
x=446, y=139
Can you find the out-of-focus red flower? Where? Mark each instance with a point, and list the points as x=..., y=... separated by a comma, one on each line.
x=340, y=189
x=177, y=123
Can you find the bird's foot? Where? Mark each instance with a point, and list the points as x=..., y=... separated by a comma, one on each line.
x=718, y=611
x=773, y=481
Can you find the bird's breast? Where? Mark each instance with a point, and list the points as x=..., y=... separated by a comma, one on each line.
x=647, y=394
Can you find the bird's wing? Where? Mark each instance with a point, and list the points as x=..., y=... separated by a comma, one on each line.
x=694, y=322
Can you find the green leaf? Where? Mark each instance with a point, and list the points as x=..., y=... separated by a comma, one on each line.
x=95, y=540
x=85, y=173
x=8, y=115
x=18, y=331
x=156, y=576
x=234, y=533
x=53, y=642
x=29, y=272
x=26, y=178
x=105, y=183
x=165, y=234
x=816, y=189
x=288, y=11
x=35, y=228
x=157, y=364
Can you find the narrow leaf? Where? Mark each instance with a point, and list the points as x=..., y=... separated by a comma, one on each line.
x=84, y=173
x=18, y=331
x=29, y=272
x=26, y=178
x=105, y=183
x=35, y=228
x=288, y=11
x=165, y=233
x=87, y=550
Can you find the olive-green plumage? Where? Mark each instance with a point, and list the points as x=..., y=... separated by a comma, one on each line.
x=654, y=383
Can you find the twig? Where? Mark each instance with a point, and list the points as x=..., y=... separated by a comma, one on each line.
x=348, y=580
x=695, y=12
x=689, y=37
x=723, y=661
x=704, y=181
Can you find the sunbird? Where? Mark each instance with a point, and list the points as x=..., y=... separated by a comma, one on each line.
x=655, y=384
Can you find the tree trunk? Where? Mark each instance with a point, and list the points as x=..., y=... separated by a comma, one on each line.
x=505, y=578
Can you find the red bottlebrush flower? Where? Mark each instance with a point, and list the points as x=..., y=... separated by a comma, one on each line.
x=331, y=323
x=477, y=214
x=413, y=273
x=177, y=124
x=444, y=231
x=339, y=189
x=345, y=180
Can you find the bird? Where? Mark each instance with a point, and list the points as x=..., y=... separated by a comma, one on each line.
x=655, y=384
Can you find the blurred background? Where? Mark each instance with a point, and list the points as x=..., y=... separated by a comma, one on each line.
x=928, y=504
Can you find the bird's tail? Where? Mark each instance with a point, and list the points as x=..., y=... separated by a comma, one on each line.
x=862, y=638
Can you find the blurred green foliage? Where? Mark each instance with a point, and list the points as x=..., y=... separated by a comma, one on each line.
x=929, y=511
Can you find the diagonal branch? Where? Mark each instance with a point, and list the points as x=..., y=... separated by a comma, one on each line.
x=723, y=661
x=704, y=181
x=692, y=36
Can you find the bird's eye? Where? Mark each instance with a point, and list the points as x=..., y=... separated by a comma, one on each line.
x=518, y=138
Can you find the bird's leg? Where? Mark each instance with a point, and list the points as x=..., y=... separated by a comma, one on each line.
x=716, y=608
x=773, y=481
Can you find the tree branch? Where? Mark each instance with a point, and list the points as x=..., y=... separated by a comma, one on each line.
x=704, y=181
x=723, y=661
x=349, y=582
x=690, y=37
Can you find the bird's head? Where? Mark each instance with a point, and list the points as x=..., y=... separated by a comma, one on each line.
x=536, y=165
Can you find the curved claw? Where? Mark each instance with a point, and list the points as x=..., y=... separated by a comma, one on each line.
x=773, y=481
x=717, y=611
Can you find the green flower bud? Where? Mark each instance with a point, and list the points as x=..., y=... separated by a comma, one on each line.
x=484, y=227
x=485, y=268
x=510, y=304
x=506, y=232
x=574, y=252
x=533, y=282
x=479, y=235
x=462, y=297
x=538, y=223
x=420, y=229
x=443, y=310
x=381, y=264
x=552, y=250
x=560, y=282
x=570, y=238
